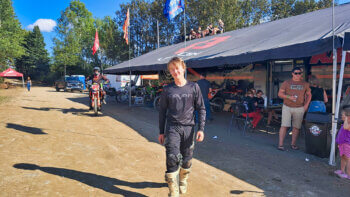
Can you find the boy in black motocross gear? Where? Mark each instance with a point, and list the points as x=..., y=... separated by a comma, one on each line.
x=178, y=102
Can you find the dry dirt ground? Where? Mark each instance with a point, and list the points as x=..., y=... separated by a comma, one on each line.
x=51, y=145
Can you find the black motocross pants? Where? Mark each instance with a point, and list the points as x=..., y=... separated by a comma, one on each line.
x=179, y=145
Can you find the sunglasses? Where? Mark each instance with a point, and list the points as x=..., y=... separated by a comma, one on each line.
x=298, y=73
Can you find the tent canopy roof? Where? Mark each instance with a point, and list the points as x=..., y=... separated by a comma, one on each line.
x=11, y=73
x=294, y=37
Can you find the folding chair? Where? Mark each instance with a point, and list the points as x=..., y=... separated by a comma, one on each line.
x=237, y=118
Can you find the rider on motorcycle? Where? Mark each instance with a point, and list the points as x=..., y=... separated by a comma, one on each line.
x=97, y=77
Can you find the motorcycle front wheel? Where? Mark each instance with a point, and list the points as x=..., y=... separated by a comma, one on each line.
x=156, y=103
x=217, y=105
x=95, y=107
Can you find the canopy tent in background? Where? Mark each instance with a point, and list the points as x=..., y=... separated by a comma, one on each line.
x=294, y=37
x=290, y=38
x=11, y=73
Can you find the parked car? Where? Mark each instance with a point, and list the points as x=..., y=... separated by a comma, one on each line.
x=69, y=85
x=60, y=85
x=75, y=85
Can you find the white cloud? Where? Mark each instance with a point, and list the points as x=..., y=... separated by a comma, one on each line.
x=45, y=25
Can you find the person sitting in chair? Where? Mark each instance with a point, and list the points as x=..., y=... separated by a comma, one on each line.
x=221, y=27
x=199, y=33
x=251, y=107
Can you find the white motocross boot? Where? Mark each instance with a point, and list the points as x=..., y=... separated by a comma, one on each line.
x=183, y=179
x=171, y=179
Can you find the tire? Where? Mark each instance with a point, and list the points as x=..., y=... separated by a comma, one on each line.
x=156, y=103
x=95, y=107
x=117, y=98
x=217, y=104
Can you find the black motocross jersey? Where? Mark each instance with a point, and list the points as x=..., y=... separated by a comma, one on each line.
x=177, y=106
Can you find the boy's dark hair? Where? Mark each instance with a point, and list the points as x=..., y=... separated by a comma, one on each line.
x=259, y=91
x=296, y=68
x=204, y=74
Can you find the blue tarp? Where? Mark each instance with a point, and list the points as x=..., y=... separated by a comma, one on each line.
x=294, y=37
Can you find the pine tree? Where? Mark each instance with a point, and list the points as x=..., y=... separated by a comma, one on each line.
x=35, y=62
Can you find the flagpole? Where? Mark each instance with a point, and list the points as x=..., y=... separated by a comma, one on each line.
x=185, y=33
x=129, y=59
x=157, y=34
x=185, y=23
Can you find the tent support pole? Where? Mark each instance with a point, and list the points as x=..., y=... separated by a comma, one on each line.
x=334, y=124
x=23, y=81
x=337, y=108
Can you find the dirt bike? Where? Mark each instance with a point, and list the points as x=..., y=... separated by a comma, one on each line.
x=220, y=95
x=216, y=102
x=156, y=101
x=95, y=95
x=122, y=95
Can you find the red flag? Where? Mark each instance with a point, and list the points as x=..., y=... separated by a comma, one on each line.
x=125, y=27
x=96, y=44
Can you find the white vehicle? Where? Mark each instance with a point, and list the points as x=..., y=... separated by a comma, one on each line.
x=119, y=81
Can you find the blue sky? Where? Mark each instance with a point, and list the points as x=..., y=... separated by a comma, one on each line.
x=30, y=11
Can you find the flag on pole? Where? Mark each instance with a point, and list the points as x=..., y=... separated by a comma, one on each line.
x=173, y=8
x=125, y=27
x=96, y=44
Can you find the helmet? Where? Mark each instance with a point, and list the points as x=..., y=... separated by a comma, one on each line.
x=97, y=68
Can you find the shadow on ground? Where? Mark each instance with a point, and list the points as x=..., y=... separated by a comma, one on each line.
x=239, y=192
x=31, y=130
x=107, y=184
x=74, y=111
x=252, y=158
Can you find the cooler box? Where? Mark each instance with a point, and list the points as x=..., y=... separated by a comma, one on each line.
x=318, y=126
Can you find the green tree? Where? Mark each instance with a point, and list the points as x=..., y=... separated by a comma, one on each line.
x=301, y=7
x=281, y=8
x=285, y=8
x=35, y=62
x=75, y=36
x=112, y=47
x=11, y=35
x=254, y=12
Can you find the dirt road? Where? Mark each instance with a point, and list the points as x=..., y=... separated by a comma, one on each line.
x=51, y=145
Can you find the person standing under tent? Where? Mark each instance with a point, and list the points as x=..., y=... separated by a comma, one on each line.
x=319, y=96
x=29, y=84
x=178, y=102
x=296, y=95
x=205, y=87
